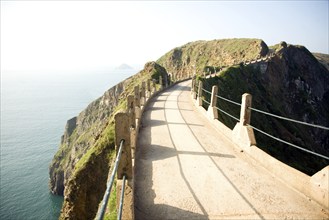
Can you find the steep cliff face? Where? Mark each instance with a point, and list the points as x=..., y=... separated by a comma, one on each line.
x=80, y=167
x=197, y=56
x=293, y=84
x=80, y=134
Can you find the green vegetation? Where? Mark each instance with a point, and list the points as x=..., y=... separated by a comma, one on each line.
x=93, y=144
x=197, y=56
x=111, y=212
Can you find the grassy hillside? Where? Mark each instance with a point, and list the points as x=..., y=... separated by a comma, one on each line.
x=197, y=56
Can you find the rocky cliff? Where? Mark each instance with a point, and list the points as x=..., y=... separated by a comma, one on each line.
x=198, y=56
x=293, y=83
x=80, y=167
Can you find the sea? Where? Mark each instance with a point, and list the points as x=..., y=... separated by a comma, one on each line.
x=34, y=111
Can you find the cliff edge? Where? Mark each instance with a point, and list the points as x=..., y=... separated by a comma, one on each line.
x=292, y=82
x=80, y=167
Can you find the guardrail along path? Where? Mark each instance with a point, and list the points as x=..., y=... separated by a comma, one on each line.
x=185, y=169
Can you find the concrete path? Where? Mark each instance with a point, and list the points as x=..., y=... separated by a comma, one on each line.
x=185, y=169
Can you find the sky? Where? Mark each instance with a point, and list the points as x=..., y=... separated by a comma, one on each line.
x=73, y=36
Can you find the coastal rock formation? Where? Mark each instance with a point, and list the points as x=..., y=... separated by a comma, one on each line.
x=80, y=167
x=292, y=83
x=195, y=57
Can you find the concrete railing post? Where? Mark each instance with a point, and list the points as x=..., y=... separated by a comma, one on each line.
x=243, y=135
x=160, y=82
x=122, y=131
x=137, y=102
x=199, y=98
x=142, y=96
x=212, y=110
x=193, y=85
x=154, y=86
x=194, y=88
x=245, y=111
x=131, y=111
x=132, y=123
x=148, y=88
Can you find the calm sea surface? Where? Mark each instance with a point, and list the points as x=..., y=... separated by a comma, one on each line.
x=34, y=111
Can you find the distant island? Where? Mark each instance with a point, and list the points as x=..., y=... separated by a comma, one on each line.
x=124, y=67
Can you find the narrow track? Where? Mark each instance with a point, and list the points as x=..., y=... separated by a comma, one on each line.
x=185, y=169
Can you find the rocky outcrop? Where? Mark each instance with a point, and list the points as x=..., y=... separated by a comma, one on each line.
x=80, y=134
x=197, y=56
x=80, y=167
x=291, y=83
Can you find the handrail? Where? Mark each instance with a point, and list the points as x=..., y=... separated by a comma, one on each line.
x=110, y=183
x=122, y=197
x=206, y=91
x=235, y=103
x=123, y=166
x=289, y=119
x=205, y=101
x=273, y=115
x=227, y=114
x=286, y=142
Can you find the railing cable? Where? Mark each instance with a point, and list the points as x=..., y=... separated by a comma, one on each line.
x=206, y=91
x=122, y=197
x=288, y=143
x=205, y=101
x=228, y=100
x=110, y=182
x=289, y=119
x=227, y=114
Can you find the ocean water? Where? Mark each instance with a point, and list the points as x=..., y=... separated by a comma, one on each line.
x=34, y=111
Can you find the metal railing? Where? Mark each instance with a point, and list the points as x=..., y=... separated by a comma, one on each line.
x=110, y=184
x=289, y=119
x=269, y=114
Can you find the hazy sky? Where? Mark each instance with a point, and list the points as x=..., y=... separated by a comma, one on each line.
x=88, y=35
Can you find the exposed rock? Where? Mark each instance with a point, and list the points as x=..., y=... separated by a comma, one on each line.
x=294, y=84
x=80, y=134
x=80, y=167
x=155, y=70
x=197, y=56
x=283, y=44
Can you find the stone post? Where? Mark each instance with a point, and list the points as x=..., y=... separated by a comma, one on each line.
x=131, y=111
x=199, y=98
x=193, y=85
x=142, y=98
x=160, y=82
x=122, y=131
x=193, y=88
x=212, y=110
x=243, y=135
x=245, y=111
x=148, y=88
x=132, y=123
x=137, y=102
x=154, y=86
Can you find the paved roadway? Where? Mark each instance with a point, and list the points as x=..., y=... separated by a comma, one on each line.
x=185, y=169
